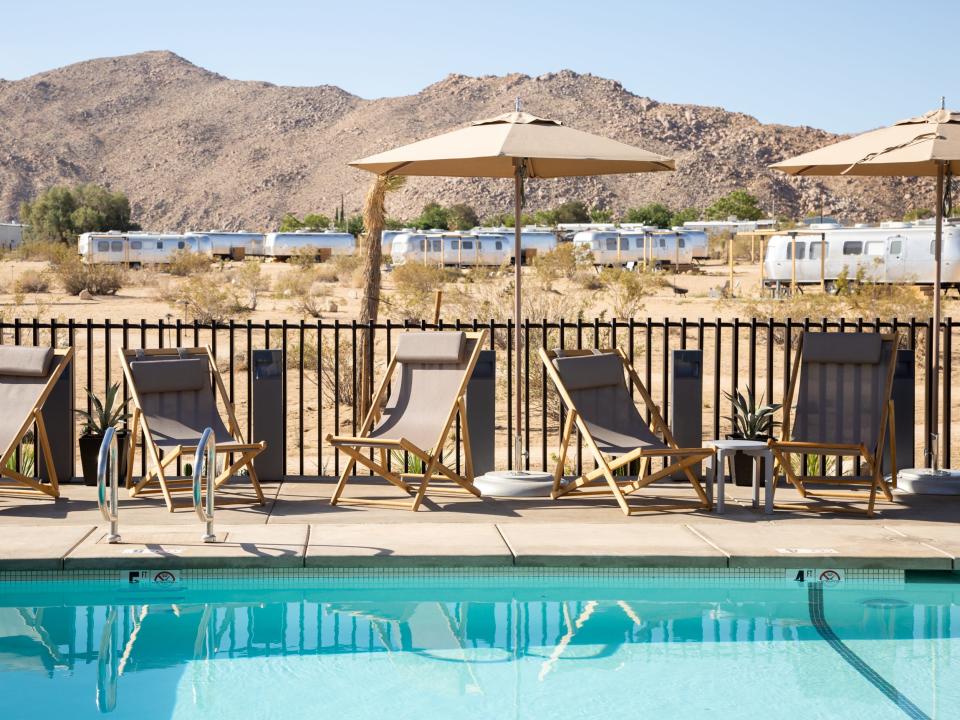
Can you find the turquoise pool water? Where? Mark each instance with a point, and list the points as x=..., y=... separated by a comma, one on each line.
x=551, y=646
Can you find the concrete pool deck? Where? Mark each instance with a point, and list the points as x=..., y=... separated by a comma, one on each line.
x=298, y=528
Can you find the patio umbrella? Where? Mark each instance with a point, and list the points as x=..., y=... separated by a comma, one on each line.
x=515, y=145
x=928, y=145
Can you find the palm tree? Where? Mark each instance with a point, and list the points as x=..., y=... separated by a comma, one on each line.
x=374, y=219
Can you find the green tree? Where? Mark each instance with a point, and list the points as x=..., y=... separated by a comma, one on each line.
x=316, y=221
x=656, y=214
x=601, y=215
x=572, y=211
x=686, y=215
x=739, y=204
x=352, y=225
x=462, y=217
x=546, y=217
x=433, y=216
x=290, y=223
x=918, y=214
x=394, y=224
x=61, y=213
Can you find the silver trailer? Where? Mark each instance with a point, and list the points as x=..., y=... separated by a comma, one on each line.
x=323, y=244
x=235, y=245
x=138, y=248
x=454, y=249
x=619, y=248
x=894, y=252
x=11, y=235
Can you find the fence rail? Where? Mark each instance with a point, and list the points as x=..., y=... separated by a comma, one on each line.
x=322, y=371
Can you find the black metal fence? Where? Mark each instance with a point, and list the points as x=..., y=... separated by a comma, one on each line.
x=322, y=369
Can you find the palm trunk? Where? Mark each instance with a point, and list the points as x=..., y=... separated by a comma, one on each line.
x=374, y=219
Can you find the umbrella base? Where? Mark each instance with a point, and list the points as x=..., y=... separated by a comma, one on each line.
x=927, y=481
x=515, y=483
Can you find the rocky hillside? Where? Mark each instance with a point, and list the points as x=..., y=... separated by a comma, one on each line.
x=194, y=149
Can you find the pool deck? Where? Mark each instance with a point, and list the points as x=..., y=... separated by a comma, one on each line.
x=297, y=528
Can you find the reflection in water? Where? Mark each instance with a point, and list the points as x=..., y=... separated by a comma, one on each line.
x=431, y=641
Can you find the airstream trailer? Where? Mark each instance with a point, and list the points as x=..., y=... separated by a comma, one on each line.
x=387, y=236
x=138, y=248
x=891, y=253
x=451, y=249
x=234, y=245
x=282, y=245
x=619, y=248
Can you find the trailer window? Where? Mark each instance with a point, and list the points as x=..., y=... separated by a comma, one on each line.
x=136, y=244
x=435, y=245
x=466, y=244
x=680, y=243
x=103, y=246
x=611, y=243
x=816, y=250
x=159, y=244
x=181, y=245
x=853, y=247
x=896, y=247
x=801, y=250
x=116, y=246
x=499, y=245
x=875, y=248
x=663, y=242
x=639, y=242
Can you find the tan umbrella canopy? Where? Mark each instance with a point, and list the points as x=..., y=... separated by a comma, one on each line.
x=928, y=145
x=517, y=145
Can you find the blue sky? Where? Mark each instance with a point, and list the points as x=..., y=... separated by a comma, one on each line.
x=843, y=65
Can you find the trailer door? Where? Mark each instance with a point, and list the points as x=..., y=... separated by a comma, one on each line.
x=896, y=262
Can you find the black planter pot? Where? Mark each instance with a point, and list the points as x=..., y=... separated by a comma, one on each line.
x=90, y=452
x=743, y=464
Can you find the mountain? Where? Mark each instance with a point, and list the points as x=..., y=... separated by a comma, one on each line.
x=193, y=149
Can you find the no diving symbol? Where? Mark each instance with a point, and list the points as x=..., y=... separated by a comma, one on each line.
x=164, y=577
x=830, y=577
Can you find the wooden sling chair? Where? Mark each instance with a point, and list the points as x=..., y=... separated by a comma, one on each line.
x=418, y=418
x=599, y=405
x=27, y=377
x=838, y=405
x=174, y=394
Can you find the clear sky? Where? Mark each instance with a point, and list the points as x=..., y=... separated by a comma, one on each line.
x=843, y=65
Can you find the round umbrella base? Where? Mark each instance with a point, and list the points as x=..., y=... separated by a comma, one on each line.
x=515, y=483
x=927, y=481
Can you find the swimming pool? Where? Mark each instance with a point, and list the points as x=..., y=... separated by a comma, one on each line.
x=473, y=644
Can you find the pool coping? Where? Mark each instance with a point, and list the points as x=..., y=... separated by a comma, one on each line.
x=473, y=545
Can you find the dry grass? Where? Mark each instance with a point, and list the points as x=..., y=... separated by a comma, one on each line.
x=203, y=301
x=185, y=263
x=75, y=276
x=32, y=281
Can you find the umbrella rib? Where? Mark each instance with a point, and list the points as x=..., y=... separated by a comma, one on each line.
x=871, y=156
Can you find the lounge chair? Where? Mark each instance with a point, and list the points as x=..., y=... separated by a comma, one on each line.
x=174, y=394
x=838, y=405
x=593, y=390
x=27, y=377
x=418, y=417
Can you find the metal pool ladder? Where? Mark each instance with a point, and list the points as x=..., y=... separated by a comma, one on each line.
x=107, y=466
x=207, y=443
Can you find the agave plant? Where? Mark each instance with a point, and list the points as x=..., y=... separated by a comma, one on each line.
x=104, y=414
x=751, y=420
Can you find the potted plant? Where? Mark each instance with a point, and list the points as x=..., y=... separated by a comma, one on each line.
x=104, y=414
x=751, y=420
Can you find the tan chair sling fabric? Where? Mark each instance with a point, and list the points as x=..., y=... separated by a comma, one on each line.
x=429, y=374
x=594, y=390
x=27, y=376
x=838, y=406
x=174, y=393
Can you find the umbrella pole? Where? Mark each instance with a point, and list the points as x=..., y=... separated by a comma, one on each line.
x=937, y=311
x=518, y=404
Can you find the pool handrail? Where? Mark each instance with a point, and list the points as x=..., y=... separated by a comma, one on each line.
x=107, y=465
x=208, y=443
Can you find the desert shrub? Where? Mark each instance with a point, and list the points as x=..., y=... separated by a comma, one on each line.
x=184, y=263
x=565, y=261
x=75, y=276
x=303, y=257
x=325, y=274
x=415, y=287
x=47, y=250
x=31, y=281
x=204, y=301
x=626, y=291
x=249, y=282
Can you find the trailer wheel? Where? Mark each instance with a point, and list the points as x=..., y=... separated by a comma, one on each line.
x=831, y=287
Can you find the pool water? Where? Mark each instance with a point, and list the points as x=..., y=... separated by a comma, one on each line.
x=552, y=646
